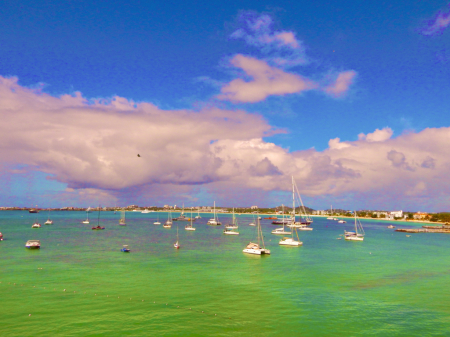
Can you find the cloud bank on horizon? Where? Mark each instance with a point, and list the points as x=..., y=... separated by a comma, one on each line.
x=93, y=145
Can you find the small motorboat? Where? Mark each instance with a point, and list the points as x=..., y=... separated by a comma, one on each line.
x=48, y=222
x=97, y=228
x=125, y=249
x=33, y=244
x=1, y=237
x=391, y=226
x=36, y=225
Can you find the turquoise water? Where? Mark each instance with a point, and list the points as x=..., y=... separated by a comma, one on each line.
x=388, y=285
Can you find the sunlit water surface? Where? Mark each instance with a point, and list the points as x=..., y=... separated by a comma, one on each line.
x=388, y=285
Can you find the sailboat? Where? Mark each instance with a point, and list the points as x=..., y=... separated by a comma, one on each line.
x=87, y=219
x=330, y=217
x=253, y=223
x=281, y=231
x=189, y=227
x=177, y=244
x=293, y=224
x=98, y=221
x=214, y=221
x=229, y=228
x=157, y=220
x=233, y=224
x=122, y=221
x=182, y=217
x=198, y=213
x=257, y=248
x=168, y=223
x=291, y=241
x=48, y=222
x=358, y=234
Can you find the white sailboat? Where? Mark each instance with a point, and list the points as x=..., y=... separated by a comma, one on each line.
x=198, y=213
x=358, y=234
x=286, y=241
x=307, y=219
x=257, y=248
x=177, y=244
x=294, y=224
x=48, y=222
x=87, y=219
x=122, y=221
x=214, y=221
x=168, y=223
x=157, y=220
x=189, y=227
x=281, y=230
x=330, y=217
x=229, y=228
x=233, y=224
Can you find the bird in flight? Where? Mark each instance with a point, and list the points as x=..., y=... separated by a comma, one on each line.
x=139, y=155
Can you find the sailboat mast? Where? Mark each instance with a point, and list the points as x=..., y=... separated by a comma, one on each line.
x=293, y=200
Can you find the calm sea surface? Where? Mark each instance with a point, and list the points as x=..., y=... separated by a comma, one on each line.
x=388, y=285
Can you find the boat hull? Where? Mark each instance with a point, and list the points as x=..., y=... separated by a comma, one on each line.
x=290, y=242
x=354, y=238
x=281, y=232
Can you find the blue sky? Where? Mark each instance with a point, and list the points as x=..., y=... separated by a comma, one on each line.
x=178, y=56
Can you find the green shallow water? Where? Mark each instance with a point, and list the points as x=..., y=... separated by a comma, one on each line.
x=388, y=285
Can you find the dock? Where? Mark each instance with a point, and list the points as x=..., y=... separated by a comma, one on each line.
x=424, y=230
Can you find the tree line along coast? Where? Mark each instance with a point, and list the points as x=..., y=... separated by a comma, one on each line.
x=370, y=214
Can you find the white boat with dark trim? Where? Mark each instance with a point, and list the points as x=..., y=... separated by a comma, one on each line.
x=214, y=221
x=168, y=223
x=33, y=244
x=189, y=226
x=233, y=224
x=358, y=234
x=157, y=220
x=87, y=218
x=230, y=232
x=257, y=248
x=48, y=222
x=342, y=221
x=290, y=242
x=177, y=244
x=281, y=230
x=36, y=225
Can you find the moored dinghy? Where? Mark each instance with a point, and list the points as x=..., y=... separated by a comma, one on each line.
x=125, y=249
x=33, y=244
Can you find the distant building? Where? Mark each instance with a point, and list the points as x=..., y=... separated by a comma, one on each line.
x=254, y=207
x=420, y=215
x=396, y=214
